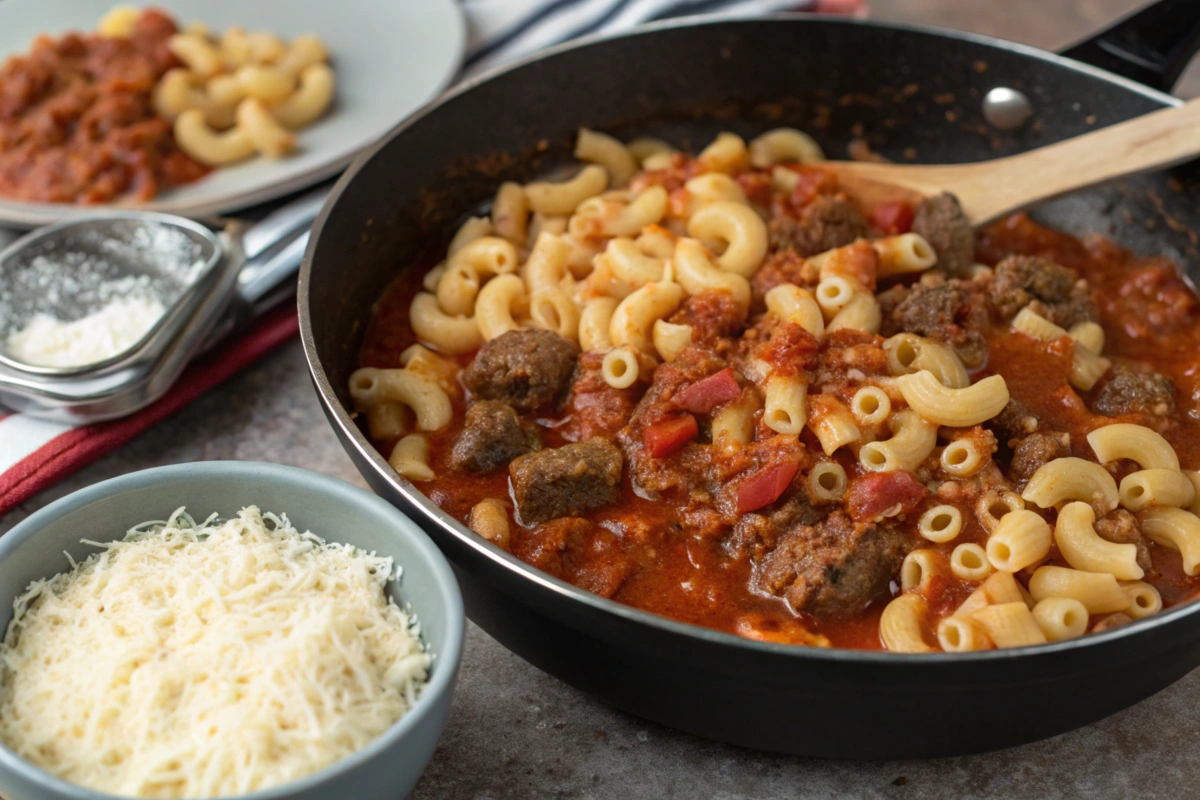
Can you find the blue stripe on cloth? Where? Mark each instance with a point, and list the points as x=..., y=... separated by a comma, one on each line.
x=551, y=22
x=518, y=29
x=608, y=16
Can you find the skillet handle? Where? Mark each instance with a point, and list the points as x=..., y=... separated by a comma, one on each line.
x=1151, y=46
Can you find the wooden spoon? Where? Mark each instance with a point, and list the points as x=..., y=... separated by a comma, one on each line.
x=988, y=190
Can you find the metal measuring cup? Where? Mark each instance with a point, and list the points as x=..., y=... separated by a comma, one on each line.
x=207, y=282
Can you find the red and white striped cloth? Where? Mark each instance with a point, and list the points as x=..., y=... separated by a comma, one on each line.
x=35, y=454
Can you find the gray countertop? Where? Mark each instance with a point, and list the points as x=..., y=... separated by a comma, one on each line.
x=515, y=732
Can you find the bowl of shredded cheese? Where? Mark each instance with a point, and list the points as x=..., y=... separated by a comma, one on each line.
x=223, y=629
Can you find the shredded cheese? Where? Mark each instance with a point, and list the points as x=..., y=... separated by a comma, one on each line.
x=47, y=341
x=206, y=660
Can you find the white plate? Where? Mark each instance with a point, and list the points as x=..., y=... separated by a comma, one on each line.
x=390, y=56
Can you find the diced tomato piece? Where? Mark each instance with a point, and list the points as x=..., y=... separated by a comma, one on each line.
x=757, y=186
x=813, y=181
x=892, y=219
x=668, y=437
x=883, y=494
x=707, y=393
x=790, y=349
x=765, y=486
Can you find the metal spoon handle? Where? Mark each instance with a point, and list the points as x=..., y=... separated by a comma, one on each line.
x=274, y=247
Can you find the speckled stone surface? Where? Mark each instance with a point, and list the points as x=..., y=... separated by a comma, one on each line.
x=515, y=732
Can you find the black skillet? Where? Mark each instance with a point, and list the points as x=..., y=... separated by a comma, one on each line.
x=899, y=86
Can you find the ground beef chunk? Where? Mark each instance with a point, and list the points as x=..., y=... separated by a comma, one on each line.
x=524, y=369
x=942, y=310
x=594, y=408
x=1129, y=391
x=566, y=481
x=1121, y=527
x=578, y=551
x=492, y=436
x=712, y=315
x=1031, y=452
x=1014, y=421
x=942, y=222
x=834, y=568
x=824, y=224
x=847, y=356
x=1062, y=297
x=781, y=267
x=757, y=534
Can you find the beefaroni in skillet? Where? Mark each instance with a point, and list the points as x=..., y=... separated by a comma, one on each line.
x=722, y=390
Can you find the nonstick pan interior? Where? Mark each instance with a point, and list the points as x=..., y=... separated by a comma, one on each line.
x=911, y=94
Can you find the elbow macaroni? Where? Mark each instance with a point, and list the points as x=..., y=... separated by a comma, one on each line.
x=1020, y=539
x=410, y=458
x=372, y=387
x=1084, y=549
x=243, y=94
x=784, y=145
x=901, y=622
x=696, y=273
x=786, y=407
x=908, y=353
x=1135, y=442
x=793, y=304
x=634, y=317
x=956, y=408
x=740, y=228
x=832, y=423
x=1176, y=529
x=1064, y=479
x=913, y=439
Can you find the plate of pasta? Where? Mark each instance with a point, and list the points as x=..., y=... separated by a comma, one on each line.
x=201, y=108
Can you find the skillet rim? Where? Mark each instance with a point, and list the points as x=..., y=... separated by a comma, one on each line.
x=350, y=433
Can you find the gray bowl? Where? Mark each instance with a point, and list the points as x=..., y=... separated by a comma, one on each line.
x=333, y=509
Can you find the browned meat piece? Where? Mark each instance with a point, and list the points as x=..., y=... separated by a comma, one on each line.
x=756, y=534
x=1112, y=621
x=525, y=369
x=1129, y=391
x=566, y=481
x=711, y=315
x=1030, y=453
x=794, y=512
x=577, y=551
x=492, y=436
x=847, y=353
x=1014, y=421
x=1121, y=527
x=594, y=408
x=940, y=309
x=942, y=222
x=835, y=568
x=785, y=266
x=1064, y=299
x=824, y=224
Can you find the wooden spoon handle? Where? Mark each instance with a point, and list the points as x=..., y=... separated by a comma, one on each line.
x=991, y=189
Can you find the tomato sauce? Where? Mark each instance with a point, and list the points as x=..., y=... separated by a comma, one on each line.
x=77, y=121
x=671, y=564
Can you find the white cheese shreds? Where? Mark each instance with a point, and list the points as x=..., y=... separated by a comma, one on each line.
x=207, y=660
x=47, y=341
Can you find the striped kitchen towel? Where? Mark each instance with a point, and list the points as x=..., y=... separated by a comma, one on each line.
x=35, y=454
x=502, y=30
